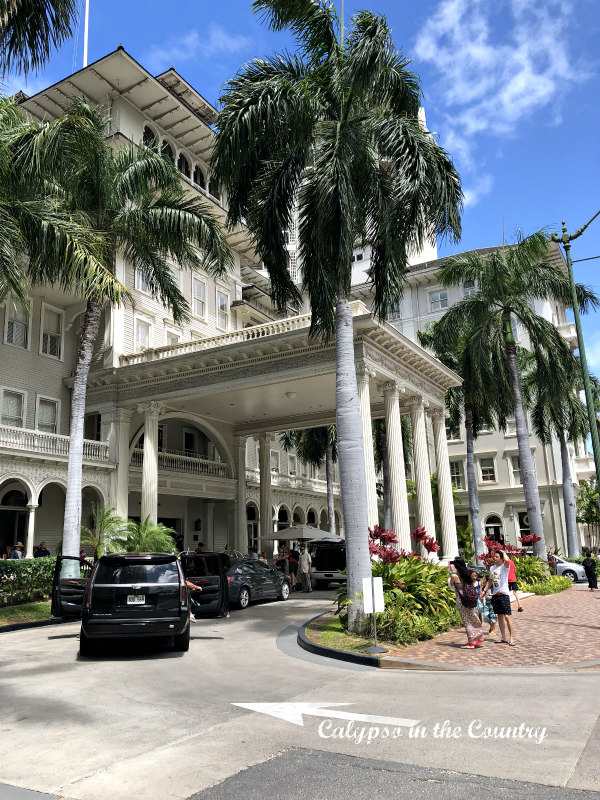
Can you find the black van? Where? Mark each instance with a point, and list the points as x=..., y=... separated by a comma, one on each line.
x=133, y=595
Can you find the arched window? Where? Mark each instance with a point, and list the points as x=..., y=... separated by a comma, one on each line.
x=199, y=178
x=493, y=528
x=215, y=190
x=184, y=166
x=311, y=517
x=283, y=519
x=14, y=498
x=150, y=139
x=167, y=152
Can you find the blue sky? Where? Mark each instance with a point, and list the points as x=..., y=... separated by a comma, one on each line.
x=510, y=87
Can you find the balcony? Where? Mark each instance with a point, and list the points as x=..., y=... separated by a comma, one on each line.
x=568, y=331
x=177, y=461
x=584, y=467
x=293, y=481
x=38, y=443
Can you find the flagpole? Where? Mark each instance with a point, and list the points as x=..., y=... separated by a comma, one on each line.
x=85, y=33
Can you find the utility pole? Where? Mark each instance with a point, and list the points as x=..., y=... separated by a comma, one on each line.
x=566, y=240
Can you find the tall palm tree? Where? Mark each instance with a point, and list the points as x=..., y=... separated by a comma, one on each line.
x=332, y=132
x=481, y=404
x=31, y=29
x=509, y=282
x=36, y=223
x=316, y=446
x=133, y=199
x=551, y=393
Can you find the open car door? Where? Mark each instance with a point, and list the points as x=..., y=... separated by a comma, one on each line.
x=207, y=570
x=71, y=580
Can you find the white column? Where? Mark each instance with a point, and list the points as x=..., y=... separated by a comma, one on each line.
x=264, y=458
x=421, y=462
x=364, y=397
x=115, y=429
x=397, y=472
x=241, y=533
x=151, y=413
x=30, y=530
x=210, y=524
x=446, y=499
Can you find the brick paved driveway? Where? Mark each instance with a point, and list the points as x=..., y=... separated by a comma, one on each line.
x=556, y=630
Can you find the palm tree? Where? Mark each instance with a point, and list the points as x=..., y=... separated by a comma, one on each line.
x=149, y=537
x=588, y=512
x=480, y=404
x=108, y=533
x=380, y=453
x=133, y=200
x=509, y=281
x=316, y=446
x=551, y=393
x=332, y=132
x=31, y=29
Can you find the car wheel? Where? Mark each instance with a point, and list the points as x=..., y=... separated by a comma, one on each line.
x=284, y=592
x=244, y=597
x=86, y=646
x=568, y=573
x=321, y=584
x=181, y=642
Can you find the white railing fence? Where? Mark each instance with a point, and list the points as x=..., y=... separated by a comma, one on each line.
x=50, y=443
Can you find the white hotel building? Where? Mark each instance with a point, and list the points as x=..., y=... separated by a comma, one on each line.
x=182, y=421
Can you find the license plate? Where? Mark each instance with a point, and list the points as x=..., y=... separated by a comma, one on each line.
x=136, y=599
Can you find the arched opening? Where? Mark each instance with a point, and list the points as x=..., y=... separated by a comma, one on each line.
x=50, y=515
x=252, y=524
x=324, y=523
x=184, y=166
x=167, y=152
x=494, y=528
x=298, y=516
x=214, y=190
x=283, y=519
x=311, y=517
x=13, y=515
x=199, y=178
x=150, y=139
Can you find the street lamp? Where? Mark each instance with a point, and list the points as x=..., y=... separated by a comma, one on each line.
x=566, y=240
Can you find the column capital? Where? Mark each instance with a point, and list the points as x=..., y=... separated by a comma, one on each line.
x=267, y=438
x=240, y=440
x=151, y=409
x=391, y=388
x=438, y=414
x=32, y=506
x=415, y=403
x=364, y=374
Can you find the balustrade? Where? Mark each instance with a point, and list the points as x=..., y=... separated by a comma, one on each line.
x=176, y=461
x=49, y=443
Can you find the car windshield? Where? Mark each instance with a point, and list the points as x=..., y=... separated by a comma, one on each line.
x=137, y=573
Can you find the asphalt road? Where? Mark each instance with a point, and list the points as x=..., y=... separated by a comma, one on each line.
x=148, y=723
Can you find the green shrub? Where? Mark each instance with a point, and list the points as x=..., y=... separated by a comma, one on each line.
x=25, y=579
x=552, y=585
x=531, y=569
x=464, y=535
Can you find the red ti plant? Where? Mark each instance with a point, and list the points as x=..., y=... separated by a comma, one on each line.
x=429, y=543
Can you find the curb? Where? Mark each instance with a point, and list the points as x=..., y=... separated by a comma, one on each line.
x=21, y=626
x=385, y=662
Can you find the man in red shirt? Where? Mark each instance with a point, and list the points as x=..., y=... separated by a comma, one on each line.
x=512, y=582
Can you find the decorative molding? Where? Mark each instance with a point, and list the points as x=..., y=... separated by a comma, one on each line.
x=153, y=408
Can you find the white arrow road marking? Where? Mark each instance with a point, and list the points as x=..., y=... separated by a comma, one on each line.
x=292, y=712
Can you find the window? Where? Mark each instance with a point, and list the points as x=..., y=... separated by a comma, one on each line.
x=167, y=152
x=141, y=282
x=511, y=426
x=52, y=332
x=176, y=273
x=17, y=324
x=438, y=300
x=47, y=415
x=515, y=464
x=143, y=330
x=199, y=298
x=291, y=464
x=222, y=311
x=150, y=137
x=457, y=475
x=274, y=461
x=13, y=408
x=172, y=338
x=358, y=257
x=199, y=179
x=184, y=166
x=190, y=442
x=303, y=470
x=452, y=431
x=493, y=528
x=488, y=470
x=469, y=288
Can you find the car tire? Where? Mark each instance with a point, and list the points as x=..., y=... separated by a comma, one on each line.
x=86, y=646
x=244, y=597
x=321, y=584
x=572, y=576
x=284, y=592
x=181, y=642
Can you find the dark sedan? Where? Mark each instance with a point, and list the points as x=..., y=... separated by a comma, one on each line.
x=251, y=580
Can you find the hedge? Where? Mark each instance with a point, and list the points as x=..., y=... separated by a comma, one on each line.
x=27, y=579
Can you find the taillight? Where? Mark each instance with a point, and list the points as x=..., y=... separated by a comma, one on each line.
x=88, y=594
x=229, y=578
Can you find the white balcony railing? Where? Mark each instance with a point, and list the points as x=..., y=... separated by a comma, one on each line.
x=49, y=443
x=245, y=335
x=175, y=461
x=292, y=481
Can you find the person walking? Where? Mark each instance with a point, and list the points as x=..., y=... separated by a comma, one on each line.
x=489, y=615
x=304, y=566
x=466, y=602
x=498, y=583
x=589, y=564
x=512, y=583
x=294, y=558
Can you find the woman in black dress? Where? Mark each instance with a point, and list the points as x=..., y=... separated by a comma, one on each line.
x=589, y=565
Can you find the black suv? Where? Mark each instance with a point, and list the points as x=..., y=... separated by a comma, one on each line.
x=129, y=595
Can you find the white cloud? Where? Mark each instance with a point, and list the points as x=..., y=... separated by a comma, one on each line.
x=15, y=83
x=195, y=45
x=592, y=351
x=481, y=186
x=498, y=66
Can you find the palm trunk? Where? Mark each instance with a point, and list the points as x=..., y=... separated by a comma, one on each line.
x=330, y=501
x=72, y=524
x=528, y=478
x=385, y=469
x=472, y=484
x=353, y=483
x=569, y=499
